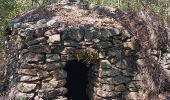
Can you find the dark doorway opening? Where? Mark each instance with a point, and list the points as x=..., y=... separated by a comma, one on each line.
x=77, y=80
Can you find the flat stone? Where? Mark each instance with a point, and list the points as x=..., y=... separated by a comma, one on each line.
x=26, y=66
x=134, y=86
x=105, y=64
x=23, y=53
x=51, y=92
x=24, y=96
x=54, y=38
x=73, y=34
x=68, y=50
x=43, y=74
x=121, y=64
x=52, y=66
x=53, y=23
x=40, y=30
x=105, y=80
x=59, y=74
x=88, y=36
x=120, y=79
x=25, y=87
x=107, y=87
x=31, y=72
x=34, y=57
x=52, y=57
x=27, y=78
x=53, y=83
x=67, y=57
x=108, y=72
x=126, y=34
x=129, y=45
x=72, y=44
x=40, y=48
x=36, y=41
x=141, y=62
x=50, y=33
x=104, y=93
x=103, y=45
x=120, y=88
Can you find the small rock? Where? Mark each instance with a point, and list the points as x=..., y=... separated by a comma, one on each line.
x=34, y=57
x=36, y=41
x=24, y=96
x=120, y=88
x=53, y=83
x=103, y=45
x=43, y=74
x=104, y=93
x=27, y=78
x=129, y=45
x=108, y=72
x=40, y=48
x=51, y=92
x=59, y=74
x=105, y=64
x=25, y=87
x=31, y=72
x=54, y=38
x=52, y=66
x=120, y=79
x=52, y=57
x=53, y=23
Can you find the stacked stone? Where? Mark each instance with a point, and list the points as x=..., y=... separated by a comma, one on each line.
x=43, y=47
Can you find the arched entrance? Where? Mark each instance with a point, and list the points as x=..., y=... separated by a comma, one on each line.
x=77, y=80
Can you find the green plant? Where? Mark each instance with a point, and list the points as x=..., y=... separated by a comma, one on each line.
x=89, y=56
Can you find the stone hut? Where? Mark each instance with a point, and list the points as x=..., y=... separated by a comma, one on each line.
x=72, y=52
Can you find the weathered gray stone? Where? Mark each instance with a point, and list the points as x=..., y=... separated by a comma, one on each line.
x=41, y=22
x=52, y=57
x=53, y=83
x=107, y=87
x=108, y=72
x=104, y=93
x=67, y=57
x=53, y=23
x=43, y=74
x=26, y=87
x=33, y=57
x=59, y=74
x=121, y=79
x=40, y=30
x=133, y=86
x=68, y=50
x=24, y=96
x=52, y=66
x=26, y=66
x=31, y=72
x=52, y=92
x=23, y=53
x=27, y=78
x=126, y=34
x=50, y=32
x=40, y=48
x=120, y=88
x=103, y=45
x=54, y=38
x=105, y=64
x=73, y=34
x=72, y=44
x=88, y=36
x=36, y=41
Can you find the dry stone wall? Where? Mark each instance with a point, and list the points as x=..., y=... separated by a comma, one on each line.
x=41, y=48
